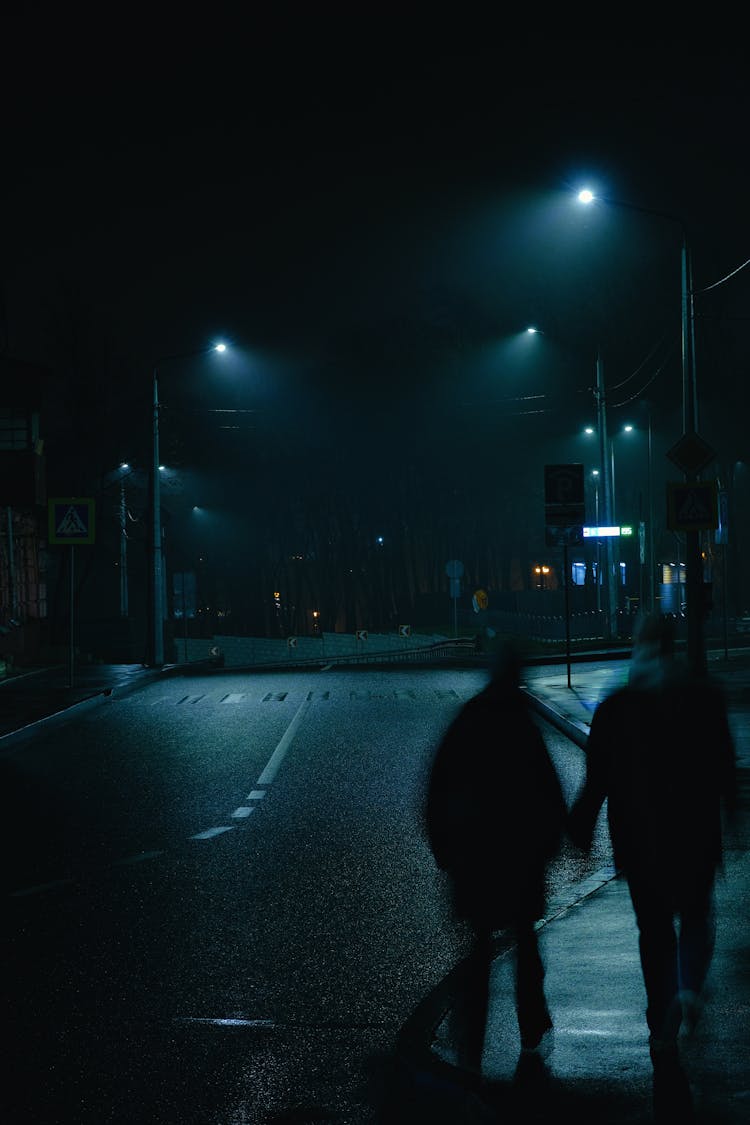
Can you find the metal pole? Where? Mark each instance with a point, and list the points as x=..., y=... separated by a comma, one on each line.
x=71, y=639
x=598, y=556
x=566, y=587
x=607, y=497
x=651, y=559
x=157, y=623
x=123, y=553
x=693, y=562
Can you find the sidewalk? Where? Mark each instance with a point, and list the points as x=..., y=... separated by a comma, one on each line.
x=597, y=1066
x=45, y=695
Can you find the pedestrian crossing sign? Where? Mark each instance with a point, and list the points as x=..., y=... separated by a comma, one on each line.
x=70, y=520
x=692, y=506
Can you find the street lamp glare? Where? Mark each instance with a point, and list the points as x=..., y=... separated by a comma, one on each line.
x=586, y=196
x=220, y=348
x=532, y=331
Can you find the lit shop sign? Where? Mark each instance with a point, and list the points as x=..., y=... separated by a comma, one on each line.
x=606, y=532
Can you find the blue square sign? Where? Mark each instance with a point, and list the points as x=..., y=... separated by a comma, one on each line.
x=70, y=520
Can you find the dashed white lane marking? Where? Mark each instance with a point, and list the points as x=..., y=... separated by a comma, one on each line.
x=208, y=833
x=240, y=813
x=256, y=1025
x=234, y=697
x=267, y=776
x=274, y=762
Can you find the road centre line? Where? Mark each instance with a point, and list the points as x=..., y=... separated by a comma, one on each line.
x=274, y=762
x=209, y=833
x=269, y=773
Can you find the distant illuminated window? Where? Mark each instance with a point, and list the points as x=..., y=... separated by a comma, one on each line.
x=579, y=573
x=623, y=573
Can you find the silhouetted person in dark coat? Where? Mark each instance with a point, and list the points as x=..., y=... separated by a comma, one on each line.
x=494, y=816
x=660, y=751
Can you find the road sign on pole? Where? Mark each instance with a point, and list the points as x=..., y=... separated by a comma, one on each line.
x=692, y=505
x=70, y=520
x=564, y=508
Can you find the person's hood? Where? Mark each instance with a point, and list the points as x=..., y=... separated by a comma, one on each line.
x=649, y=668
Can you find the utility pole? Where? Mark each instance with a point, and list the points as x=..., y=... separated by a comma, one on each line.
x=604, y=461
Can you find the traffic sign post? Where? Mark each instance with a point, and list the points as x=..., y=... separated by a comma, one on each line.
x=564, y=513
x=454, y=568
x=70, y=521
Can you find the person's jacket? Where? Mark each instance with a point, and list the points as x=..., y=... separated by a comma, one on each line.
x=661, y=753
x=495, y=812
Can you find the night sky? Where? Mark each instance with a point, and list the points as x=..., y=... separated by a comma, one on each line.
x=371, y=221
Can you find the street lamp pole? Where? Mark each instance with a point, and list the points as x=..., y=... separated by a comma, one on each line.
x=693, y=563
x=157, y=572
x=651, y=559
x=123, y=551
x=157, y=553
x=607, y=497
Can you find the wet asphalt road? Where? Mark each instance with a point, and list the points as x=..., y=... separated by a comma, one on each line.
x=221, y=907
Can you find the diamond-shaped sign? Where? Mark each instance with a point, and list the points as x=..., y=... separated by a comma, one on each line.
x=691, y=453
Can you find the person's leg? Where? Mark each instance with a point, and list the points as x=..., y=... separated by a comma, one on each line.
x=696, y=942
x=476, y=1001
x=657, y=943
x=531, y=1005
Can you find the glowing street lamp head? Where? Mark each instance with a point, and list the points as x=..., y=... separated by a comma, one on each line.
x=220, y=347
x=586, y=196
x=532, y=331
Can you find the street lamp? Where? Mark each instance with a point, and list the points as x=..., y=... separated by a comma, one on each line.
x=693, y=562
x=157, y=561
